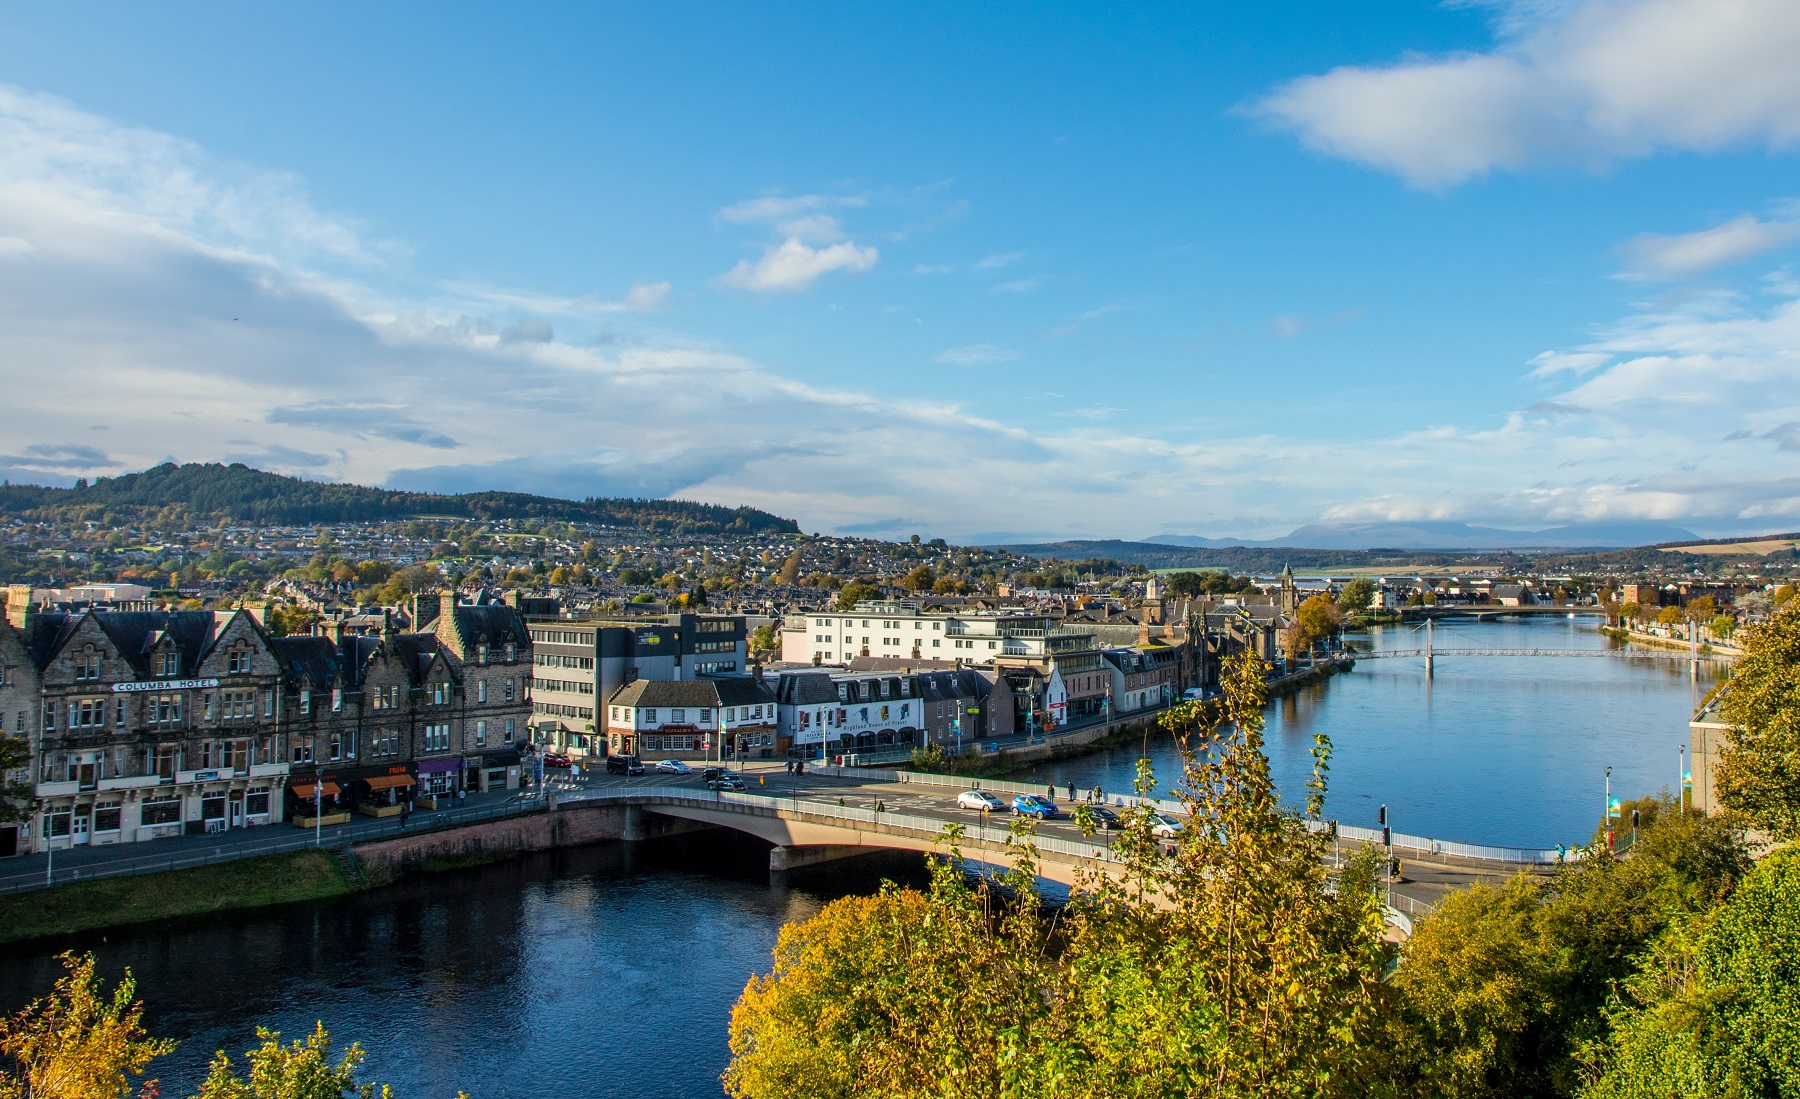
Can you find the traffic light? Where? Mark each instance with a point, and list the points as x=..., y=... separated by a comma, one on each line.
x=1387, y=837
x=1634, y=819
x=1381, y=816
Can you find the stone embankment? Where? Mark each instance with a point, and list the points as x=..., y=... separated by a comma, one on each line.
x=489, y=841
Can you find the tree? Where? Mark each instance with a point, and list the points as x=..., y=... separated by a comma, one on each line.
x=1319, y=616
x=856, y=592
x=77, y=1042
x=1502, y=987
x=790, y=569
x=1357, y=595
x=919, y=579
x=1231, y=968
x=762, y=639
x=1723, y=627
x=1296, y=641
x=1701, y=608
x=1758, y=775
x=302, y=1070
x=1716, y=1008
x=1668, y=616
x=1628, y=612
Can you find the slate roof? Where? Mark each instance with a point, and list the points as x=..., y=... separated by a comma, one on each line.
x=693, y=692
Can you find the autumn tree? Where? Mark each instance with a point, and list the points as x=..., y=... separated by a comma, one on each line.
x=77, y=1042
x=856, y=592
x=1319, y=616
x=300, y=1070
x=1234, y=967
x=919, y=579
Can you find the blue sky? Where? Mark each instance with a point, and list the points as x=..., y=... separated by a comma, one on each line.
x=1011, y=271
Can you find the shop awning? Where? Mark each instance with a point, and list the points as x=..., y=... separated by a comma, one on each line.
x=389, y=782
x=305, y=793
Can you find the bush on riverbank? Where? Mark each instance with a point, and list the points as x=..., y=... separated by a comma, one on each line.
x=223, y=887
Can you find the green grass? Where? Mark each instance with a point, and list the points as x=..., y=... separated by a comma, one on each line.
x=116, y=902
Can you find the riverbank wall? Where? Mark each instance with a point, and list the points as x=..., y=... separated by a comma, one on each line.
x=382, y=860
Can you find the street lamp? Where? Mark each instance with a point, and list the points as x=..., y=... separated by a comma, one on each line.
x=1681, y=781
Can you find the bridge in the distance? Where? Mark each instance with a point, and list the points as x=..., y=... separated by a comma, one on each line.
x=1617, y=654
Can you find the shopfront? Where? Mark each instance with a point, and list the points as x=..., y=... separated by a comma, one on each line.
x=440, y=777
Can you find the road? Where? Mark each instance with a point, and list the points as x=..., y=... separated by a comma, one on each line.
x=1427, y=880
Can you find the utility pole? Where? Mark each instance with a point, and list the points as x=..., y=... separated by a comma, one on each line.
x=1681, y=781
x=318, y=796
x=1428, y=657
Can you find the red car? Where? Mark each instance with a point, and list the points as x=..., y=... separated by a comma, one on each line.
x=557, y=759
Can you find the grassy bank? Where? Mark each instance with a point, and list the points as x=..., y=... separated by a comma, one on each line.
x=141, y=898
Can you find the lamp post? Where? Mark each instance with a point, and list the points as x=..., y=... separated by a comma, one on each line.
x=1681, y=780
x=318, y=796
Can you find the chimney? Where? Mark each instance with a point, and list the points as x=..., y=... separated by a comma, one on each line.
x=1144, y=631
x=387, y=622
x=337, y=632
x=756, y=670
x=447, y=604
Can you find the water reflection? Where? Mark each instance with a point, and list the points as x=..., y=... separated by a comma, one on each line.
x=602, y=971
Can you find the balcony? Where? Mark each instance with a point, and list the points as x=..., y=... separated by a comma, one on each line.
x=57, y=789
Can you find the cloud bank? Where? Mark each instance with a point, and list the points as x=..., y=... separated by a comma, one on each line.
x=165, y=305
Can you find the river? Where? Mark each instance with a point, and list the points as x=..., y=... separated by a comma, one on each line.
x=607, y=972
x=1500, y=750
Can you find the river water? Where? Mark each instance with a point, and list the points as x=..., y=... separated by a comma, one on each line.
x=607, y=972
x=1501, y=750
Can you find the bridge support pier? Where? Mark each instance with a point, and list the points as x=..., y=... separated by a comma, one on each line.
x=782, y=859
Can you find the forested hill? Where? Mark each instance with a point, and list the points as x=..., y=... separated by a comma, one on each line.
x=236, y=493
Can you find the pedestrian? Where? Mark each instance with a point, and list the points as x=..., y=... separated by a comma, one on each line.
x=461, y=794
x=1051, y=794
x=799, y=767
x=790, y=766
x=405, y=813
x=1071, y=789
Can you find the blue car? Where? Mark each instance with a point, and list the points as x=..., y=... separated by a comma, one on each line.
x=1030, y=805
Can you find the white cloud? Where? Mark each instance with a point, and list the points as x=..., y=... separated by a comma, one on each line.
x=1584, y=81
x=792, y=265
x=16, y=246
x=1571, y=362
x=1020, y=286
x=1652, y=256
x=795, y=263
x=976, y=354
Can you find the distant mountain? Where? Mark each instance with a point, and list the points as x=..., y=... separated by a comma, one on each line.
x=237, y=493
x=1431, y=535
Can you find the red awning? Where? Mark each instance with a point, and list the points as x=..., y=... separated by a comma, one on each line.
x=306, y=792
x=388, y=782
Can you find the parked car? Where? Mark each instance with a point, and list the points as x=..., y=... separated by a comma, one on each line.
x=624, y=765
x=673, y=767
x=1164, y=826
x=557, y=759
x=980, y=800
x=1104, y=819
x=1030, y=805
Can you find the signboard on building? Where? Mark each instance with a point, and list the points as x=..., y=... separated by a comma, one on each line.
x=166, y=685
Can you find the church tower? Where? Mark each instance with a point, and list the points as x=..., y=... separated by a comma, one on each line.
x=1289, y=601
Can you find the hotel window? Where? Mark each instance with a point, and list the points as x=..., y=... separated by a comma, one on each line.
x=337, y=699
x=705, y=715
x=481, y=734
x=440, y=693
x=238, y=662
x=303, y=752
x=677, y=716
x=509, y=730
x=481, y=653
x=336, y=746
x=509, y=688
x=481, y=690
x=171, y=665
x=650, y=714
x=305, y=702
x=87, y=666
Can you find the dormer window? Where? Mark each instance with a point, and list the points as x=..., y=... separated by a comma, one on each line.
x=512, y=652
x=481, y=653
x=171, y=665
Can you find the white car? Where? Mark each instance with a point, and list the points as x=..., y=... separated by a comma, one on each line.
x=979, y=800
x=1164, y=826
x=673, y=767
